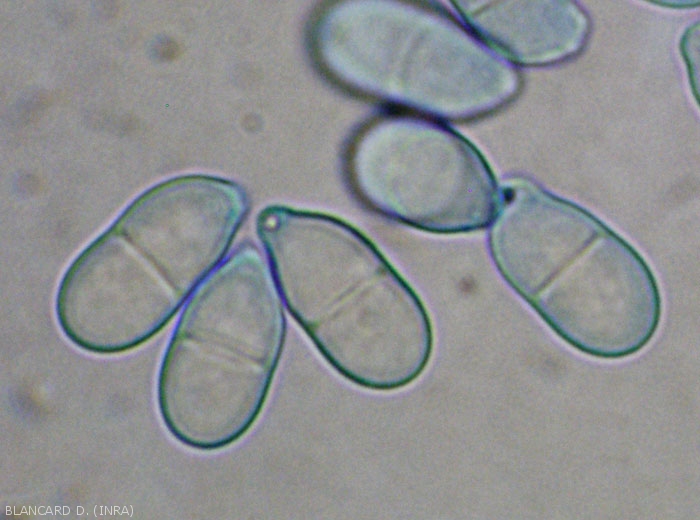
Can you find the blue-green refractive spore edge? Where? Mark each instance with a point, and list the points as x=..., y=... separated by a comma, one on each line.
x=264, y=393
x=235, y=220
x=496, y=195
x=681, y=4
x=513, y=55
x=616, y=355
x=280, y=212
x=692, y=65
x=429, y=11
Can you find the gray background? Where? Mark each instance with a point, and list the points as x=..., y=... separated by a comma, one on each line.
x=506, y=423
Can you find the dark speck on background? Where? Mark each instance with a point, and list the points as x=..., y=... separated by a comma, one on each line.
x=550, y=368
x=252, y=123
x=467, y=285
x=31, y=400
x=682, y=191
x=26, y=185
x=164, y=48
x=62, y=15
x=116, y=123
x=105, y=10
x=27, y=108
